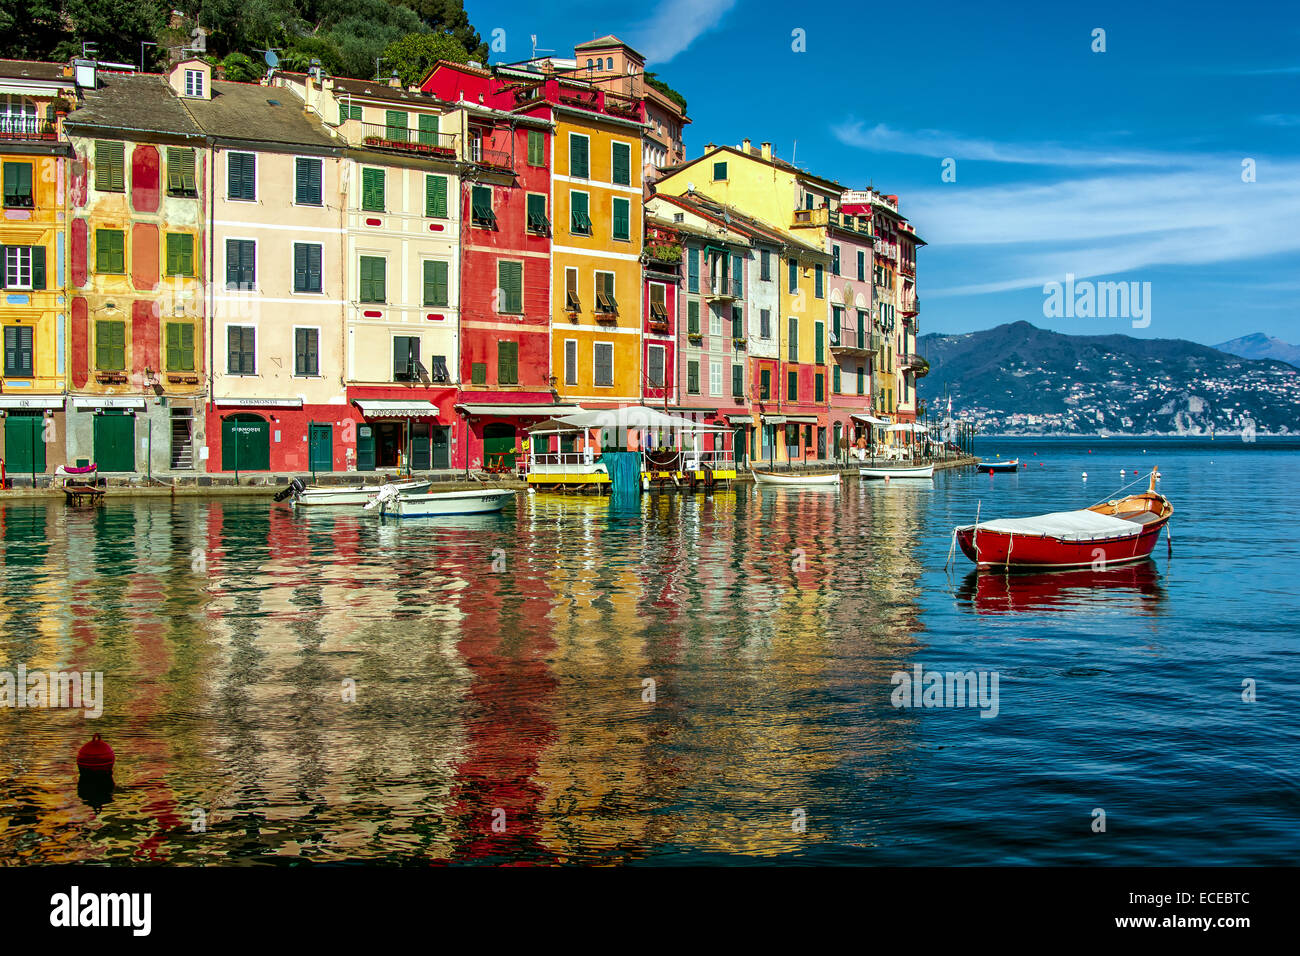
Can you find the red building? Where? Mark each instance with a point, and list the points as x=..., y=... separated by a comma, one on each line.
x=662, y=279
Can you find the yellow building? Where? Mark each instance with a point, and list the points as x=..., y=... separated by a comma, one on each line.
x=596, y=247
x=33, y=164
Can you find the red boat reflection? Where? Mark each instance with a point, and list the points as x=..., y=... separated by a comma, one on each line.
x=1134, y=586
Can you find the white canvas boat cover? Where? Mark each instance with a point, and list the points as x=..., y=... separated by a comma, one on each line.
x=1065, y=525
x=630, y=416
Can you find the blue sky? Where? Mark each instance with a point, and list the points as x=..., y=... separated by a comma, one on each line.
x=1123, y=165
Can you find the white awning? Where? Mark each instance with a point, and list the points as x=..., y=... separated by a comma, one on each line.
x=108, y=402
x=802, y=419
x=739, y=419
x=518, y=411
x=774, y=419
x=908, y=427
x=31, y=401
x=258, y=402
x=870, y=420
x=396, y=408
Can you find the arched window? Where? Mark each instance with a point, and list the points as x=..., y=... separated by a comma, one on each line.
x=609, y=63
x=589, y=63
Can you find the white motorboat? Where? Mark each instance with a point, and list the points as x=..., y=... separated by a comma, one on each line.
x=817, y=479
x=897, y=471
x=476, y=501
x=313, y=495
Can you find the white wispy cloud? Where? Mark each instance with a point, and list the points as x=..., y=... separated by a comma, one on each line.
x=1279, y=119
x=675, y=25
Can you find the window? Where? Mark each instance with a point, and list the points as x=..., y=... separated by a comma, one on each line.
x=507, y=363
x=604, y=364
x=794, y=276
x=536, y=148
x=655, y=366
x=110, y=251
x=693, y=270
x=835, y=379
x=438, y=370
x=180, y=254
x=794, y=341
x=819, y=387
x=349, y=111
x=693, y=378
x=435, y=197
x=622, y=164
x=306, y=351
x=193, y=82
x=571, y=301
x=737, y=322
x=373, y=279
x=792, y=387
x=180, y=172
x=180, y=346
x=537, y=221
x=307, y=181
x=395, y=128
x=765, y=265
x=579, y=160
x=428, y=129
x=580, y=219
x=819, y=281
x=241, y=176
x=110, y=346
x=480, y=207
x=510, y=280
x=719, y=171
x=808, y=200
x=715, y=378
x=715, y=320
x=18, y=116
x=862, y=265
x=738, y=381
x=437, y=288
x=307, y=267
x=765, y=385
x=18, y=351
x=605, y=301
x=241, y=341
x=692, y=318
x=406, y=358
x=110, y=167
x=764, y=323
x=835, y=260
x=18, y=185
x=622, y=210
x=737, y=275
x=837, y=318
x=241, y=264
x=570, y=362
x=22, y=267
x=658, y=303
x=819, y=343
x=862, y=329
x=372, y=189
x=862, y=380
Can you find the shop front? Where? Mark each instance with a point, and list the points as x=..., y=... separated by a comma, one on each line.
x=403, y=435
x=494, y=432
x=31, y=435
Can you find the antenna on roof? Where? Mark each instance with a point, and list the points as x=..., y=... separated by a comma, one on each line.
x=271, y=58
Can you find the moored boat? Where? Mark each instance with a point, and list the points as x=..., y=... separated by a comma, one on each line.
x=473, y=502
x=1106, y=535
x=1010, y=465
x=810, y=479
x=313, y=495
x=897, y=471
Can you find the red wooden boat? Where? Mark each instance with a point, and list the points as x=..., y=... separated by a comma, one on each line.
x=1107, y=535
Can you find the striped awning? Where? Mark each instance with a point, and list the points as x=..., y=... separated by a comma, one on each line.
x=396, y=408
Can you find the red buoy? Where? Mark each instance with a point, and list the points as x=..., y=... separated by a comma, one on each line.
x=990, y=471
x=96, y=755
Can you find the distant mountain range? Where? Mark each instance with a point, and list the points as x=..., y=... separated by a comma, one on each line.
x=1261, y=346
x=1020, y=379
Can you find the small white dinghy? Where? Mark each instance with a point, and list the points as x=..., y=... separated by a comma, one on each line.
x=897, y=471
x=397, y=504
x=819, y=480
x=312, y=495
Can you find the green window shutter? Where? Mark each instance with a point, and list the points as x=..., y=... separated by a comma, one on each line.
x=478, y=373
x=373, y=279
x=693, y=270
x=180, y=254
x=38, y=267
x=819, y=343
x=765, y=385
x=719, y=171
x=176, y=346
x=693, y=377
x=579, y=161
x=481, y=205
x=536, y=148
x=436, y=288
x=395, y=126
x=537, y=220
x=580, y=214
x=622, y=218
x=835, y=379
x=622, y=164
x=18, y=185
x=738, y=380
x=307, y=181
x=818, y=280
x=820, y=387
x=692, y=318
x=110, y=163
x=428, y=129
x=372, y=190
x=792, y=387
x=110, y=346
x=110, y=251
x=435, y=197
x=507, y=363
x=794, y=341
x=510, y=279
x=794, y=275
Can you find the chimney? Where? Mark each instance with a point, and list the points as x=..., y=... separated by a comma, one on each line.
x=395, y=81
x=744, y=146
x=767, y=151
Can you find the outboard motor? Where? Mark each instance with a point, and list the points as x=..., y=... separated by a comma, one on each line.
x=293, y=488
x=387, y=493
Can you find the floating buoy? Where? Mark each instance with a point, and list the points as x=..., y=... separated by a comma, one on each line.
x=990, y=471
x=886, y=479
x=1085, y=476
x=96, y=755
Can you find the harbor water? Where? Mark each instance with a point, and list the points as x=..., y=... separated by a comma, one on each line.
x=683, y=679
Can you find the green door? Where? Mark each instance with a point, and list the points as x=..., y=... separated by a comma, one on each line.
x=420, y=446
x=499, y=445
x=115, y=440
x=25, y=443
x=320, y=447
x=365, y=448
x=245, y=443
x=739, y=445
x=441, y=446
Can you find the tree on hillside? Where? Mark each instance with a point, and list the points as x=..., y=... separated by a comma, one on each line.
x=414, y=55
x=55, y=29
x=449, y=16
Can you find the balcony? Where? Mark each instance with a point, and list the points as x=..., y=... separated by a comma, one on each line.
x=847, y=343
x=910, y=305
x=886, y=248
x=491, y=158
x=28, y=128
x=725, y=288
x=419, y=142
x=907, y=268
x=915, y=365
